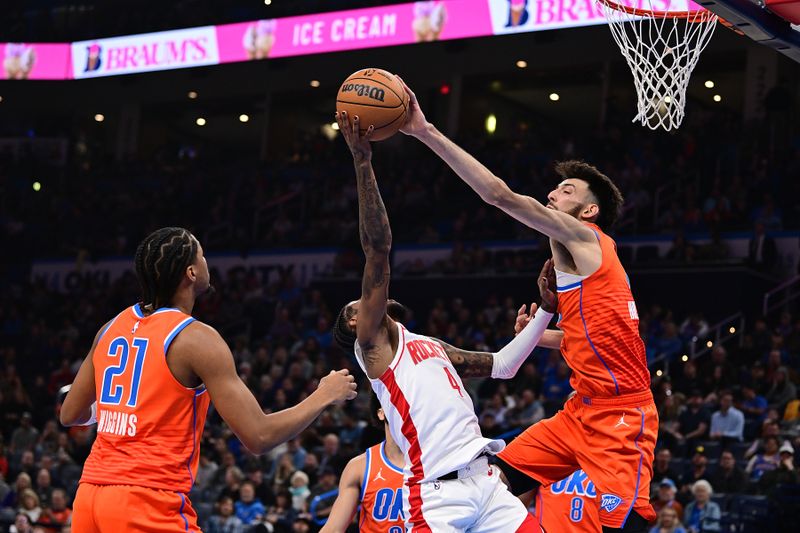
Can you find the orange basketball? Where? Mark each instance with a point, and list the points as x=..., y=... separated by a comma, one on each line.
x=378, y=98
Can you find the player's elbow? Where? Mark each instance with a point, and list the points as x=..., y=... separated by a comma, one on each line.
x=499, y=195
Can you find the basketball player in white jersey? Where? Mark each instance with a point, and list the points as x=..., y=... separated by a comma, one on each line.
x=449, y=485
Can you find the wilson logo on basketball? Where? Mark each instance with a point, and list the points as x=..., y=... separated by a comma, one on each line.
x=362, y=89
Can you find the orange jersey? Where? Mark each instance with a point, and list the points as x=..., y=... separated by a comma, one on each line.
x=569, y=505
x=601, y=341
x=381, y=494
x=148, y=425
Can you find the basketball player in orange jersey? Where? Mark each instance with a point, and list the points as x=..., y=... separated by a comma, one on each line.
x=448, y=483
x=609, y=427
x=374, y=482
x=147, y=383
x=569, y=505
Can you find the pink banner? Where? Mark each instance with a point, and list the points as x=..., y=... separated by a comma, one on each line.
x=37, y=61
x=350, y=30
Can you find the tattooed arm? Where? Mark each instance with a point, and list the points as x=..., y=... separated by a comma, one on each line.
x=469, y=364
x=505, y=363
x=375, y=234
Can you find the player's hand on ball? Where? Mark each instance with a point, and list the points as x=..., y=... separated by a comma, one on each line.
x=547, y=287
x=338, y=386
x=359, y=144
x=416, y=123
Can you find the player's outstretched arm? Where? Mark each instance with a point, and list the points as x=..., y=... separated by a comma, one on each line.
x=210, y=358
x=562, y=227
x=505, y=363
x=79, y=407
x=375, y=234
x=344, y=508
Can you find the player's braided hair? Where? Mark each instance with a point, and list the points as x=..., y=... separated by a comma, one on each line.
x=608, y=196
x=344, y=337
x=161, y=260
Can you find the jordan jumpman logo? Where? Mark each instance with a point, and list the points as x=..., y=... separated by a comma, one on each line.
x=379, y=476
x=621, y=422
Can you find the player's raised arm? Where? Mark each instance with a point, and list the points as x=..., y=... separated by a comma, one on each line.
x=505, y=363
x=346, y=504
x=374, y=232
x=560, y=226
x=212, y=361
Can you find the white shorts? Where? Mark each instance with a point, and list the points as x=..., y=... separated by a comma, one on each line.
x=480, y=503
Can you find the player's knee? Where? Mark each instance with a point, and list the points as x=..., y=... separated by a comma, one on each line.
x=634, y=524
x=517, y=482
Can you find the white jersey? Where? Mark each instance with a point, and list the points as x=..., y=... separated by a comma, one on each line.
x=430, y=414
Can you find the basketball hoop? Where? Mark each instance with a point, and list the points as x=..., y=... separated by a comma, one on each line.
x=662, y=48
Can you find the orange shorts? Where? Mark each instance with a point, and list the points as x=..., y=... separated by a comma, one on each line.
x=123, y=508
x=611, y=439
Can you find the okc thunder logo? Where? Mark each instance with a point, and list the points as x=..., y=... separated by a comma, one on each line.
x=609, y=502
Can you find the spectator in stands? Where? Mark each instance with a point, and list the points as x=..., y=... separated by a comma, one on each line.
x=662, y=467
x=29, y=504
x=281, y=515
x=784, y=474
x=330, y=456
x=44, y=488
x=206, y=470
x=689, y=381
x=665, y=497
x=283, y=472
x=299, y=490
x=668, y=522
x=249, y=509
x=782, y=391
x=262, y=489
x=224, y=520
x=765, y=461
x=669, y=419
x=702, y=514
x=762, y=254
x=23, y=438
x=57, y=513
x=695, y=326
x=696, y=471
x=22, y=524
x=325, y=491
x=727, y=424
x=694, y=421
x=754, y=406
x=13, y=498
x=728, y=478
x=527, y=411
x=233, y=481
x=556, y=384
x=769, y=428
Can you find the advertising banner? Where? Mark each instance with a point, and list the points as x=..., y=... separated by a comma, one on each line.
x=355, y=29
x=34, y=61
x=166, y=50
x=69, y=276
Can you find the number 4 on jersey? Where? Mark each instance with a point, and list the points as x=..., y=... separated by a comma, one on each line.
x=453, y=381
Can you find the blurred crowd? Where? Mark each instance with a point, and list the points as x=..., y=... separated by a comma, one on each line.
x=729, y=418
x=674, y=185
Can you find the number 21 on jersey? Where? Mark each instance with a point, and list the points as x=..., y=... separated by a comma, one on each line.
x=113, y=394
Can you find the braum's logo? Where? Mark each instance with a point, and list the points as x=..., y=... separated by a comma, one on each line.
x=609, y=502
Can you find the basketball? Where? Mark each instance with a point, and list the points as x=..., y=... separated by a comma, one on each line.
x=378, y=98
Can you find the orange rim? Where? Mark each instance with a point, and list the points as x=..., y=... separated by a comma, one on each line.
x=700, y=15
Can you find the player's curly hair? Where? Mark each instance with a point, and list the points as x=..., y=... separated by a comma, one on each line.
x=345, y=338
x=161, y=260
x=609, y=199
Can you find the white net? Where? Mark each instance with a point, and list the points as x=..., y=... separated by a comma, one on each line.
x=661, y=51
